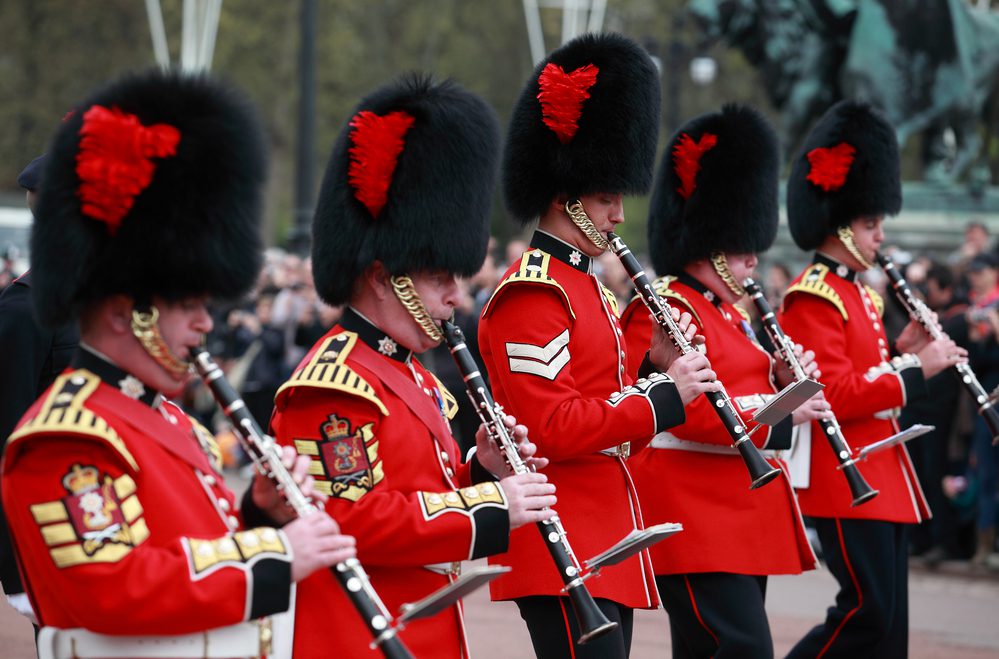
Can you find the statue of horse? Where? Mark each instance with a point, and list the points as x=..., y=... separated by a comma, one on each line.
x=931, y=65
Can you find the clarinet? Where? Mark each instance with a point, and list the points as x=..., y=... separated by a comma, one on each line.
x=919, y=312
x=267, y=456
x=592, y=622
x=859, y=488
x=761, y=472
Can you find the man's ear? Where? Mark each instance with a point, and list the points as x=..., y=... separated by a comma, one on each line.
x=377, y=279
x=115, y=313
x=559, y=202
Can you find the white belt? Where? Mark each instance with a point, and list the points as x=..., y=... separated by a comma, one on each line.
x=452, y=569
x=247, y=639
x=665, y=440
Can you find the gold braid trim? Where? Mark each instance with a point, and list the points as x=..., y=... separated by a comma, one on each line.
x=720, y=264
x=579, y=217
x=146, y=330
x=845, y=235
x=406, y=292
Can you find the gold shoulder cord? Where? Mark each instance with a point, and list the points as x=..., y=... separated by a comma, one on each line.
x=579, y=217
x=845, y=235
x=406, y=292
x=720, y=264
x=146, y=330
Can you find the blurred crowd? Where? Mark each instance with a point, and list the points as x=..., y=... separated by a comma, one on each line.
x=260, y=341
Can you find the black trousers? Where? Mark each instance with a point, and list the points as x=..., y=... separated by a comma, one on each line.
x=716, y=614
x=870, y=618
x=554, y=630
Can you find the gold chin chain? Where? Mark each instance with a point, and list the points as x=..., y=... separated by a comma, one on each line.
x=406, y=292
x=720, y=263
x=845, y=235
x=147, y=331
x=579, y=217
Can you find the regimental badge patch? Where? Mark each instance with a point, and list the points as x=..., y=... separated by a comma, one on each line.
x=99, y=521
x=345, y=461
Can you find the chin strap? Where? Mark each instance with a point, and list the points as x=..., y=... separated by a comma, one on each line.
x=406, y=292
x=845, y=235
x=579, y=217
x=147, y=331
x=720, y=264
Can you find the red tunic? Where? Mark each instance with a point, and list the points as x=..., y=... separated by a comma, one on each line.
x=555, y=353
x=122, y=522
x=393, y=485
x=727, y=526
x=838, y=318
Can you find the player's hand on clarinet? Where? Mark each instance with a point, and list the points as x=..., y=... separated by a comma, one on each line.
x=940, y=354
x=816, y=407
x=693, y=376
x=316, y=542
x=662, y=350
x=530, y=497
x=491, y=457
x=269, y=500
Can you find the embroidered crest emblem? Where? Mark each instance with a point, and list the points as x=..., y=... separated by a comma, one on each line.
x=93, y=508
x=575, y=257
x=348, y=456
x=131, y=387
x=387, y=346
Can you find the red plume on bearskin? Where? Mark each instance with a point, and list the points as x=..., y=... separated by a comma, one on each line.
x=561, y=96
x=376, y=144
x=114, y=162
x=687, y=160
x=829, y=167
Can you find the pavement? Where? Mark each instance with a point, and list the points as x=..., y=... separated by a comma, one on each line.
x=951, y=617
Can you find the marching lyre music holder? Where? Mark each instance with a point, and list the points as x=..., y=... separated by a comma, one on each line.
x=628, y=546
x=785, y=402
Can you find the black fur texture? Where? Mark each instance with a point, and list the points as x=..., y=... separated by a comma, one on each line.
x=734, y=205
x=439, y=200
x=872, y=187
x=195, y=230
x=613, y=150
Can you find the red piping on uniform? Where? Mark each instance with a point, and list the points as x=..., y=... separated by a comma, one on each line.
x=697, y=613
x=568, y=630
x=860, y=595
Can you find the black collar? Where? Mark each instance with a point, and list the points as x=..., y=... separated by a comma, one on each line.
x=375, y=338
x=709, y=295
x=113, y=376
x=561, y=250
x=840, y=269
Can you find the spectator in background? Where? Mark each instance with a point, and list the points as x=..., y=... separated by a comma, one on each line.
x=983, y=328
x=484, y=282
x=937, y=539
x=976, y=241
x=775, y=282
x=8, y=273
x=514, y=250
x=261, y=345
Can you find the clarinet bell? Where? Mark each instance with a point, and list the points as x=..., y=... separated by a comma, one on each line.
x=592, y=621
x=761, y=472
x=862, y=492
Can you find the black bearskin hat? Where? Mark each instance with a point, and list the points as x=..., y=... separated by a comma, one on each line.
x=152, y=187
x=409, y=183
x=586, y=122
x=716, y=189
x=848, y=168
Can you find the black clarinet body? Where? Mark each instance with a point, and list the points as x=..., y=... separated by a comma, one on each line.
x=761, y=472
x=859, y=488
x=267, y=456
x=919, y=312
x=592, y=622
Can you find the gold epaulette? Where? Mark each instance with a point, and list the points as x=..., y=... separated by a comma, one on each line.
x=533, y=270
x=661, y=285
x=879, y=302
x=328, y=369
x=813, y=282
x=450, y=402
x=63, y=412
x=208, y=443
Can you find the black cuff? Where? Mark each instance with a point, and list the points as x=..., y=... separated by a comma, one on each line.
x=478, y=473
x=647, y=367
x=666, y=404
x=491, y=528
x=271, y=587
x=780, y=435
x=914, y=384
x=253, y=516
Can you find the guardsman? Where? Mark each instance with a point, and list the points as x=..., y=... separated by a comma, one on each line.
x=713, y=210
x=121, y=520
x=842, y=185
x=582, y=135
x=403, y=211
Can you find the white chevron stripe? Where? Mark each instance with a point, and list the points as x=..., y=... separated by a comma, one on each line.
x=549, y=370
x=540, y=353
